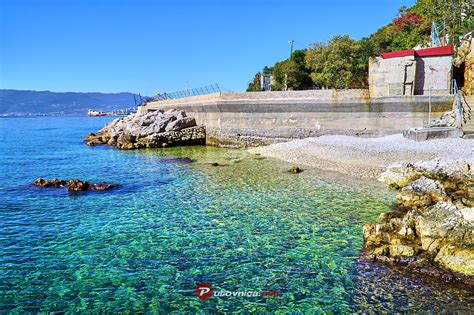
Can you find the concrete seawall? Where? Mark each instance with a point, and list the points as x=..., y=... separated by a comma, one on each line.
x=266, y=117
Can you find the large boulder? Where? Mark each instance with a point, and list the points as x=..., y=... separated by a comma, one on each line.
x=151, y=130
x=421, y=193
x=432, y=226
x=179, y=124
x=455, y=176
x=460, y=260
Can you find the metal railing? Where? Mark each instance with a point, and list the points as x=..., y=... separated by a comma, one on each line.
x=462, y=110
x=208, y=89
x=458, y=109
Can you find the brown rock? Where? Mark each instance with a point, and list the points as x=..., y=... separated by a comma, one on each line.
x=156, y=129
x=102, y=186
x=73, y=185
x=77, y=185
x=432, y=230
x=295, y=170
x=50, y=182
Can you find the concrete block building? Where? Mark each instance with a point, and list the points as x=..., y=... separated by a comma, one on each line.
x=412, y=72
x=267, y=79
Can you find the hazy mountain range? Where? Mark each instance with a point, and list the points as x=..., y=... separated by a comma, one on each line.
x=21, y=102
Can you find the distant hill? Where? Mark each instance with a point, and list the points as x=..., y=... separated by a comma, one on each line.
x=22, y=102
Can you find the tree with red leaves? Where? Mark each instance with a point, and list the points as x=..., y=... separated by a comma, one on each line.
x=407, y=21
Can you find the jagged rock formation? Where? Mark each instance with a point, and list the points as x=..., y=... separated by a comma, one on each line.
x=72, y=184
x=155, y=129
x=432, y=228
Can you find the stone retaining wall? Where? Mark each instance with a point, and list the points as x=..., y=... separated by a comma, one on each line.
x=277, y=116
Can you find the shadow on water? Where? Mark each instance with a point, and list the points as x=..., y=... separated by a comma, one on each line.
x=102, y=147
x=178, y=160
x=396, y=289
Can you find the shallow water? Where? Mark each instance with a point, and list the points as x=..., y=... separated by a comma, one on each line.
x=244, y=225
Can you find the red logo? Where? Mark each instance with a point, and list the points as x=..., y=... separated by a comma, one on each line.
x=204, y=291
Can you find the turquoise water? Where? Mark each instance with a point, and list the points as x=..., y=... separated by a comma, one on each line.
x=248, y=225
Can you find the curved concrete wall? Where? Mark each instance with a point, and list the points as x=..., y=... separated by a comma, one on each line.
x=296, y=114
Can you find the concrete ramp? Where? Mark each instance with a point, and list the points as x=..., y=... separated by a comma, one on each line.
x=423, y=134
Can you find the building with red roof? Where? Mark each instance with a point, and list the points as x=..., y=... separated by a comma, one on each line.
x=412, y=72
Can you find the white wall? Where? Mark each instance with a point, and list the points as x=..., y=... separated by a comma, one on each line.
x=410, y=75
x=391, y=77
x=435, y=72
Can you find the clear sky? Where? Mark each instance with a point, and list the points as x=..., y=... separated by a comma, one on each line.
x=146, y=46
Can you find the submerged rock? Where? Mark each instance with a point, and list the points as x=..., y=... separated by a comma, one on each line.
x=183, y=160
x=50, y=182
x=432, y=228
x=73, y=184
x=295, y=170
x=155, y=129
x=217, y=164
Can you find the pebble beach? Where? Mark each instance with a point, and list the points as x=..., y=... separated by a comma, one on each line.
x=365, y=157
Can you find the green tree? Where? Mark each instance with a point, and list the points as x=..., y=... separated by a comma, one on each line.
x=285, y=74
x=292, y=73
x=361, y=67
x=254, y=86
x=298, y=57
x=333, y=65
x=406, y=31
x=456, y=15
x=343, y=62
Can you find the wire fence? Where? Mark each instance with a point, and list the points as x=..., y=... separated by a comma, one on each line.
x=208, y=89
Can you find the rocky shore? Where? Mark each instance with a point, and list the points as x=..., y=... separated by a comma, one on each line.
x=156, y=129
x=431, y=229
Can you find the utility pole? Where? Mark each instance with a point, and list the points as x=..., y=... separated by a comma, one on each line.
x=291, y=42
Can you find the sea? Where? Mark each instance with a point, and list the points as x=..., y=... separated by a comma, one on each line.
x=265, y=240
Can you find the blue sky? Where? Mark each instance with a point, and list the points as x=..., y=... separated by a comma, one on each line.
x=147, y=46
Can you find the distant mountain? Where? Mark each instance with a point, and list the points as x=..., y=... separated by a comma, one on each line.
x=19, y=102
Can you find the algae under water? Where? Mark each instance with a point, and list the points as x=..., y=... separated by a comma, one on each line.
x=245, y=225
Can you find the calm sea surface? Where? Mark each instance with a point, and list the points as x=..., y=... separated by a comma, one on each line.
x=247, y=226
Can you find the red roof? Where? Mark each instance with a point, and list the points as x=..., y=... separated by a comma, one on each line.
x=399, y=53
x=427, y=52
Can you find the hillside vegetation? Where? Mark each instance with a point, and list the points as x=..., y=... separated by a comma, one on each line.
x=342, y=62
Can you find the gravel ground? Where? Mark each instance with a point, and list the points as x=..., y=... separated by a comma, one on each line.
x=365, y=157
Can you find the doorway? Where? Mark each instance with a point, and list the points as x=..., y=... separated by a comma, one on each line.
x=458, y=74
